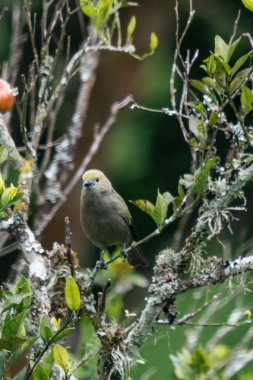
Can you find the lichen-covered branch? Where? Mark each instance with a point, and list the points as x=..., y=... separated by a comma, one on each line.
x=161, y=291
x=29, y=246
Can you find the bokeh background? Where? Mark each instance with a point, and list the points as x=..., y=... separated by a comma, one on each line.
x=145, y=151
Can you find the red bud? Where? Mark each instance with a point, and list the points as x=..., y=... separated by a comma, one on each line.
x=6, y=96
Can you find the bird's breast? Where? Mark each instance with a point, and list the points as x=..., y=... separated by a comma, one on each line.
x=102, y=221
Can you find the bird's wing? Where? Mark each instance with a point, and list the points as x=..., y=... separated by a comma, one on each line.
x=125, y=214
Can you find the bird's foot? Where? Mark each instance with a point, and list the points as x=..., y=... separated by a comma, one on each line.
x=101, y=264
x=123, y=254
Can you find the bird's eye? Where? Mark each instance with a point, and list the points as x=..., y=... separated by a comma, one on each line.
x=97, y=180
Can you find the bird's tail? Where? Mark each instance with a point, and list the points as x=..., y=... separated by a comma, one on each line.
x=136, y=259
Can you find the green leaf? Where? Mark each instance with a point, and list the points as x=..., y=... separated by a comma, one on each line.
x=130, y=29
x=3, y=215
x=201, y=109
x=153, y=42
x=114, y=307
x=14, y=200
x=213, y=118
x=246, y=99
x=238, y=64
x=21, y=374
x=144, y=205
x=72, y=294
x=221, y=48
x=88, y=333
x=209, y=82
x=199, y=86
x=240, y=78
x=203, y=88
x=45, y=328
x=56, y=323
x=160, y=210
x=178, y=200
x=62, y=334
x=210, y=63
x=23, y=289
x=198, y=128
x=195, y=144
x=176, y=203
x=222, y=67
x=40, y=373
x=202, y=130
x=103, y=9
x=2, y=184
x=180, y=190
x=220, y=351
x=48, y=362
x=15, y=300
x=7, y=196
x=88, y=8
x=22, y=286
x=3, y=154
x=10, y=343
x=15, y=326
x=61, y=357
x=248, y=4
x=21, y=350
x=232, y=47
x=202, y=177
x=201, y=360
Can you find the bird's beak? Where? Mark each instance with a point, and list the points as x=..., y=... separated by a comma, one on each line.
x=88, y=183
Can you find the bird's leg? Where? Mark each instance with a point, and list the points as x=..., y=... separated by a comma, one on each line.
x=123, y=253
x=101, y=263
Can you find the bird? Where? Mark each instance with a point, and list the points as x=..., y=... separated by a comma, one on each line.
x=106, y=219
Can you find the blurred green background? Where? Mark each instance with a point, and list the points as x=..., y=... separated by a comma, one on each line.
x=145, y=151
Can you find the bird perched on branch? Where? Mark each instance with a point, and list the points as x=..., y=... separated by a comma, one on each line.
x=105, y=217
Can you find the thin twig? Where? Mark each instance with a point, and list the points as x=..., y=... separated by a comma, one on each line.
x=211, y=324
x=235, y=28
x=164, y=110
x=175, y=69
x=102, y=299
x=68, y=244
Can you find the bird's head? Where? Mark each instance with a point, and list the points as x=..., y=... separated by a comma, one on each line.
x=95, y=179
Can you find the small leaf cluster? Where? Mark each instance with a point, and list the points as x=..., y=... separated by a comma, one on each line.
x=189, y=183
x=52, y=330
x=157, y=211
x=104, y=15
x=17, y=328
x=104, y=11
x=203, y=364
x=225, y=79
x=199, y=363
x=8, y=195
x=14, y=339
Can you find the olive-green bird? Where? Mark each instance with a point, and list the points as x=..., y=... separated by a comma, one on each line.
x=105, y=217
